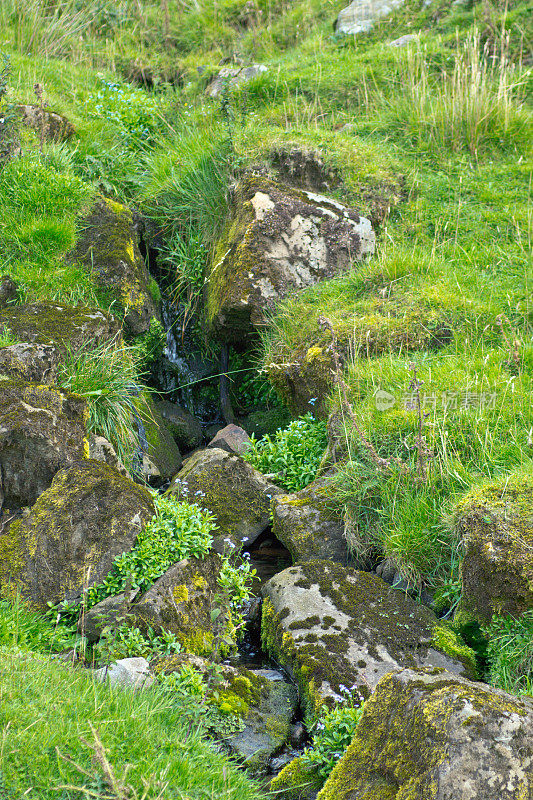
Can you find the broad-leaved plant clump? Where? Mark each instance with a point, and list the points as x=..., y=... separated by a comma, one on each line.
x=293, y=454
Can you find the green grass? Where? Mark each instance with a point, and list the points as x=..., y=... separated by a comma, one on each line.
x=48, y=709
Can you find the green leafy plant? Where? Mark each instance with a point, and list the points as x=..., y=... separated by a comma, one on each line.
x=108, y=378
x=292, y=455
x=136, y=114
x=178, y=530
x=6, y=337
x=333, y=733
x=510, y=652
x=125, y=641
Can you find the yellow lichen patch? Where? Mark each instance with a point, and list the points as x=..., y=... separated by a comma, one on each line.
x=180, y=593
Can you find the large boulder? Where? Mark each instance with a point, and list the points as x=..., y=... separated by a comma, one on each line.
x=360, y=15
x=108, y=248
x=237, y=494
x=59, y=325
x=307, y=525
x=429, y=735
x=88, y=516
x=278, y=240
x=495, y=523
x=42, y=429
x=181, y=601
x=30, y=362
x=331, y=626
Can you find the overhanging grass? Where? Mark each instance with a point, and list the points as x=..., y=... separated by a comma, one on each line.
x=48, y=707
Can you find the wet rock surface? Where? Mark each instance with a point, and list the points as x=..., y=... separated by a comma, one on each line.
x=30, y=362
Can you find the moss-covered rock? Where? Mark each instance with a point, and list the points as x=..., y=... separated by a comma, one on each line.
x=161, y=458
x=181, y=601
x=184, y=427
x=307, y=525
x=305, y=380
x=331, y=626
x=29, y=362
x=237, y=494
x=88, y=516
x=108, y=248
x=495, y=522
x=9, y=291
x=428, y=735
x=42, y=429
x=278, y=240
x=59, y=325
x=55, y=127
x=297, y=781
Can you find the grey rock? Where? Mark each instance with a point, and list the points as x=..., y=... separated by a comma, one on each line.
x=232, y=439
x=305, y=523
x=360, y=15
x=29, y=362
x=184, y=427
x=428, y=734
x=8, y=290
x=88, y=516
x=129, y=673
x=100, y=449
x=346, y=628
x=237, y=494
x=234, y=76
x=403, y=41
x=104, y=614
x=279, y=240
x=55, y=127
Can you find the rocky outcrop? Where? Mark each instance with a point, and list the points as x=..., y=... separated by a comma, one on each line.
x=108, y=248
x=100, y=449
x=360, y=15
x=59, y=325
x=184, y=427
x=495, y=523
x=130, y=673
x=278, y=240
x=237, y=494
x=30, y=362
x=308, y=527
x=331, y=626
x=42, y=430
x=429, y=735
x=181, y=601
x=233, y=77
x=88, y=516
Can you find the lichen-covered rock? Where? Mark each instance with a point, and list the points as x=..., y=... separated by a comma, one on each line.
x=181, y=601
x=279, y=239
x=297, y=781
x=161, y=458
x=55, y=127
x=88, y=516
x=108, y=248
x=429, y=735
x=237, y=494
x=184, y=427
x=130, y=673
x=42, y=430
x=330, y=626
x=59, y=325
x=105, y=614
x=308, y=527
x=304, y=168
x=495, y=523
x=233, y=77
x=267, y=723
x=304, y=380
x=100, y=449
x=360, y=15
x=30, y=362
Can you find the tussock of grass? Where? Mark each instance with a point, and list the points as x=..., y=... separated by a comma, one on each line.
x=49, y=707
